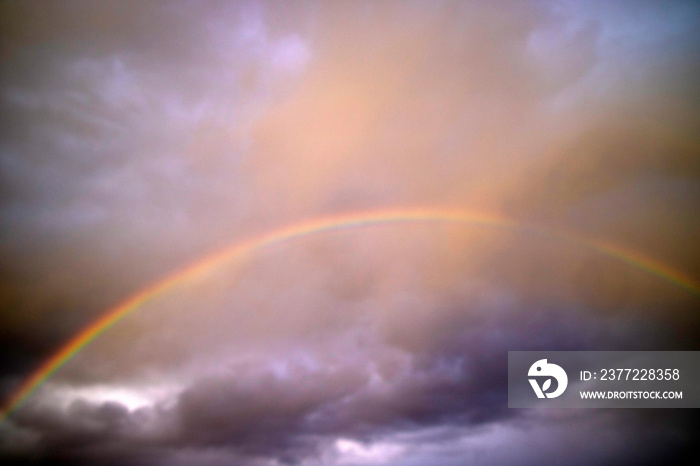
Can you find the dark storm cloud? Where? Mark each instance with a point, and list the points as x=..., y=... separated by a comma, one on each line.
x=261, y=412
x=454, y=377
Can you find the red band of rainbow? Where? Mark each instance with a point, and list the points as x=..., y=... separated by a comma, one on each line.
x=315, y=226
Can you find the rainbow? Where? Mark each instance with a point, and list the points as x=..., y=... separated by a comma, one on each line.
x=338, y=222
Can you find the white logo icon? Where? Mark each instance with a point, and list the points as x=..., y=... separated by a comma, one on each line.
x=542, y=369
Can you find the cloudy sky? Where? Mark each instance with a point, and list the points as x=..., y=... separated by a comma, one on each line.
x=137, y=138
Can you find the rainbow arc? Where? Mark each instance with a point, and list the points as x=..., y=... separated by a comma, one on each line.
x=316, y=226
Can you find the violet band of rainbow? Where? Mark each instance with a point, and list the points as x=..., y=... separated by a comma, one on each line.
x=316, y=226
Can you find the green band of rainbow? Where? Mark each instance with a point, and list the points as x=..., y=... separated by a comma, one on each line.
x=314, y=226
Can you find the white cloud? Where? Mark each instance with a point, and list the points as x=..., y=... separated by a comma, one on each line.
x=352, y=452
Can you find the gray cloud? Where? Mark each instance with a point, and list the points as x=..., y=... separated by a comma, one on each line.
x=293, y=409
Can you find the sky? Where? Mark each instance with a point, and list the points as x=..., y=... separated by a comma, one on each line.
x=138, y=138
